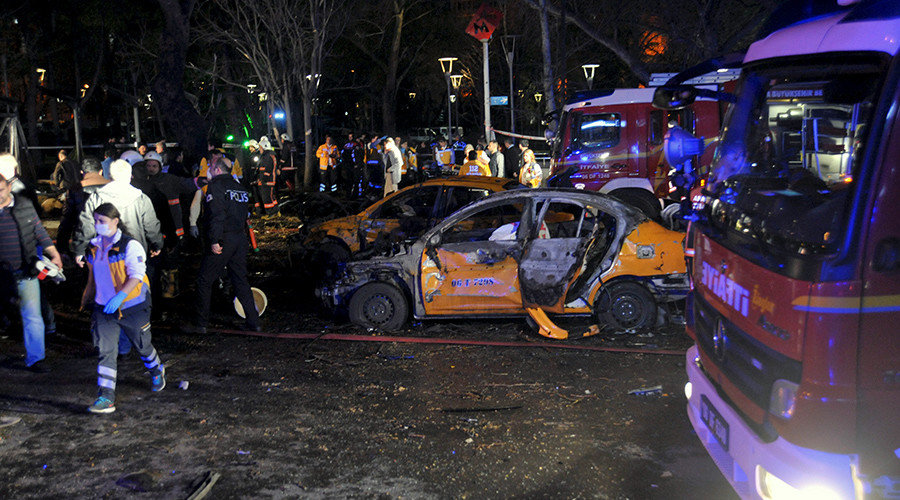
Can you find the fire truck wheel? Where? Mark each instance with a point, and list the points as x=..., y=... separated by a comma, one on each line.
x=379, y=305
x=625, y=306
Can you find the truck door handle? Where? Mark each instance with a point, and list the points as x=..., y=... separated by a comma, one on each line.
x=618, y=166
x=887, y=255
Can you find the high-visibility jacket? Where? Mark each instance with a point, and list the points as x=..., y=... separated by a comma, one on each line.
x=236, y=170
x=530, y=175
x=474, y=167
x=327, y=156
x=443, y=156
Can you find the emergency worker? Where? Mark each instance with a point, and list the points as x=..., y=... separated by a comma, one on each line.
x=118, y=288
x=349, y=166
x=172, y=188
x=226, y=208
x=443, y=155
x=215, y=146
x=374, y=164
x=287, y=162
x=460, y=155
x=530, y=174
x=266, y=179
x=474, y=166
x=328, y=157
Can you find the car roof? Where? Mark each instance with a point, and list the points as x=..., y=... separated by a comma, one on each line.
x=495, y=183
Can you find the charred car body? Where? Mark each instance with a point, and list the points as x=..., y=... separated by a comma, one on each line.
x=520, y=252
x=411, y=210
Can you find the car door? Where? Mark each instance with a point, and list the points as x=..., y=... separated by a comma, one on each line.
x=470, y=266
x=411, y=209
x=553, y=255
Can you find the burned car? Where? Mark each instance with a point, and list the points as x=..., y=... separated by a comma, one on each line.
x=534, y=252
x=413, y=209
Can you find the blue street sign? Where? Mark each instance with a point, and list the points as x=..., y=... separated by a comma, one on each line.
x=499, y=100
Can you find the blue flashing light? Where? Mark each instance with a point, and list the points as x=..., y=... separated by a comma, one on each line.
x=278, y=115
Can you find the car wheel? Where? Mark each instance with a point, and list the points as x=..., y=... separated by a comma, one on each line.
x=626, y=305
x=379, y=305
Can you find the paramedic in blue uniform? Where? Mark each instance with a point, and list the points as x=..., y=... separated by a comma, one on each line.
x=226, y=208
x=120, y=291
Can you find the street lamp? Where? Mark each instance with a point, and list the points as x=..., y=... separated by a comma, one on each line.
x=538, y=96
x=589, y=70
x=455, y=80
x=447, y=68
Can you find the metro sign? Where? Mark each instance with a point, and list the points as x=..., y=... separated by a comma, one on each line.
x=484, y=22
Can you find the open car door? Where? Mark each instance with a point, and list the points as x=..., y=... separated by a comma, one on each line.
x=553, y=258
x=471, y=264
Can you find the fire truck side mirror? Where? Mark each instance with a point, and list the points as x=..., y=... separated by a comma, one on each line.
x=674, y=96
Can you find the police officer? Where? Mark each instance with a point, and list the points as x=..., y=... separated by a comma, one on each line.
x=227, y=206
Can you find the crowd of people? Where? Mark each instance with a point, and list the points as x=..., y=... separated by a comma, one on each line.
x=124, y=225
x=368, y=163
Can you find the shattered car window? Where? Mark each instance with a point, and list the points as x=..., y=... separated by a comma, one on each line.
x=568, y=220
x=482, y=225
x=413, y=203
x=459, y=196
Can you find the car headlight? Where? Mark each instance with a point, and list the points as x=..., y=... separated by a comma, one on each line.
x=782, y=398
x=771, y=487
x=688, y=390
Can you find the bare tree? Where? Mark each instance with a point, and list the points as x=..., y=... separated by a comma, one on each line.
x=284, y=42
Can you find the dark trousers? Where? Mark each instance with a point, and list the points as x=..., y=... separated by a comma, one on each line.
x=267, y=203
x=234, y=255
x=327, y=179
x=134, y=323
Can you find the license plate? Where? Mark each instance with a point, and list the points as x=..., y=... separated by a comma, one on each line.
x=714, y=421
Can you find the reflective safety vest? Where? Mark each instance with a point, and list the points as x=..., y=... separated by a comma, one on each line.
x=443, y=156
x=474, y=167
x=327, y=154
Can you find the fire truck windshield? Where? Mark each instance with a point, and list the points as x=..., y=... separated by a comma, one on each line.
x=791, y=145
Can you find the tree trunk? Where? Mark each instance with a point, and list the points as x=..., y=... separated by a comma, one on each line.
x=548, y=61
x=183, y=120
x=309, y=153
x=389, y=94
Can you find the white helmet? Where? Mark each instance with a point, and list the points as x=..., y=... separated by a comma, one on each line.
x=264, y=143
x=132, y=157
x=153, y=155
x=285, y=137
x=252, y=144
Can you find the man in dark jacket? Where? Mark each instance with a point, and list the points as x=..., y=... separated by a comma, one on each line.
x=511, y=156
x=22, y=240
x=67, y=177
x=226, y=208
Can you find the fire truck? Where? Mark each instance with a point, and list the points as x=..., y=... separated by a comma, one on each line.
x=611, y=141
x=794, y=378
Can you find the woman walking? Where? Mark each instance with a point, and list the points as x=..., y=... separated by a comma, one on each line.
x=120, y=291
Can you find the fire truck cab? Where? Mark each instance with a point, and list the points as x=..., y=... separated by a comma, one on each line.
x=794, y=378
x=614, y=139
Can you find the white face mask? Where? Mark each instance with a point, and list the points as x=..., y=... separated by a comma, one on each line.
x=102, y=229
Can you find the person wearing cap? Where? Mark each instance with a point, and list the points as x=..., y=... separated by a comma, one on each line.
x=22, y=241
x=266, y=178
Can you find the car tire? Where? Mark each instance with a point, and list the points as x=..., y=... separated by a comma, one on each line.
x=379, y=305
x=626, y=305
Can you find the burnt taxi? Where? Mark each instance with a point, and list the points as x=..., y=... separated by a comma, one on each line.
x=536, y=252
x=412, y=209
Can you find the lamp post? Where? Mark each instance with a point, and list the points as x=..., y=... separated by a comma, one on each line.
x=447, y=68
x=589, y=70
x=455, y=80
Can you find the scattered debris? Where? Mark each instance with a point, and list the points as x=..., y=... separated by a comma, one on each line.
x=644, y=391
x=203, y=485
x=183, y=385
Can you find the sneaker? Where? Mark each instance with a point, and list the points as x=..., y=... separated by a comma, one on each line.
x=102, y=405
x=158, y=382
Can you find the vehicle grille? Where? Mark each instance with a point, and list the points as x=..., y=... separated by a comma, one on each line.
x=748, y=363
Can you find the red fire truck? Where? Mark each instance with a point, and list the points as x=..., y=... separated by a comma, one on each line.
x=614, y=140
x=794, y=378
